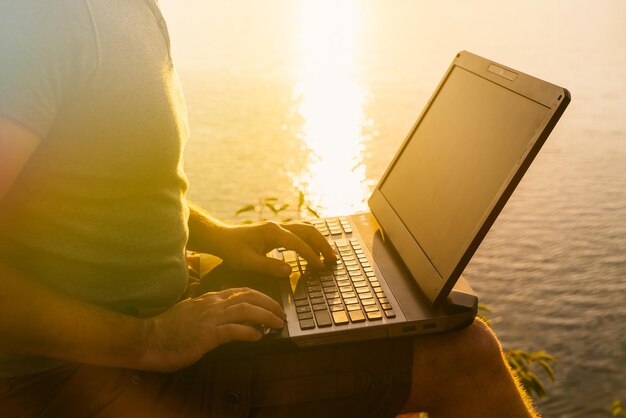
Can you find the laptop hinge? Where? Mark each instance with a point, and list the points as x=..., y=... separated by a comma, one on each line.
x=459, y=302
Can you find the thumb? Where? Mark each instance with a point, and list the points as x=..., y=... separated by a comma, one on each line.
x=269, y=265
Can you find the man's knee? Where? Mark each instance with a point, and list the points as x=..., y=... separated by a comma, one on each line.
x=475, y=346
x=481, y=346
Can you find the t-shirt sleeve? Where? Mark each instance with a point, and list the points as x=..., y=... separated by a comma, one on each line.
x=37, y=62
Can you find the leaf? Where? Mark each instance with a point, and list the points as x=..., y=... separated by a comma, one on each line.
x=246, y=208
x=312, y=212
x=300, y=200
x=547, y=367
x=272, y=208
x=483, y=308
x=538, y=385
x=270, y=199
x=283, y=207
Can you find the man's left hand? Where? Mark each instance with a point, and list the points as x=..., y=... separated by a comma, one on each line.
x=245, y=247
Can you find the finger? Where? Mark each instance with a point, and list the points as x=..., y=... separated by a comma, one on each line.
x=268, y=265
x=253, y=297
x=245, y=311
x=236, y=332
x=282, y=237
x=311, y=235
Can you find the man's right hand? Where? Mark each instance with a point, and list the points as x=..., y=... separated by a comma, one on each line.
x=184, y=333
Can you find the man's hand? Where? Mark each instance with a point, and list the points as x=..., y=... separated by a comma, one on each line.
x=245, y=246
x=184, y=333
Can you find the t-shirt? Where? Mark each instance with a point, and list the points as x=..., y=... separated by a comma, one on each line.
x=99, y=210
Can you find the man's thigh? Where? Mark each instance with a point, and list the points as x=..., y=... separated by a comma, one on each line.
x=370, y=379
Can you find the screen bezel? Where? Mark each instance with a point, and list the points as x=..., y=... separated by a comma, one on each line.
x=554, y=98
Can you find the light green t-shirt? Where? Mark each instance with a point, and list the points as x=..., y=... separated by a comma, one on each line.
x=99, y=211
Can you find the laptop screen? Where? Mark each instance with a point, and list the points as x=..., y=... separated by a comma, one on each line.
x=463, y=153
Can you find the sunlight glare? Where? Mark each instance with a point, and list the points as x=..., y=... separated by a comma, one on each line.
x=330, y=102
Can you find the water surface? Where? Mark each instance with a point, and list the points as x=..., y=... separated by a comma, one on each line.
x=317, y=96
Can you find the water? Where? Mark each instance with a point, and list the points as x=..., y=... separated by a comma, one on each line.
x=279, y=91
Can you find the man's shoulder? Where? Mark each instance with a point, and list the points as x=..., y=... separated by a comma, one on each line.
x=47, y=17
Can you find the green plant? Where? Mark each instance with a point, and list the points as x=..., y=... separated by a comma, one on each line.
x=617, y=410
x=524, y=364
x=277, y=209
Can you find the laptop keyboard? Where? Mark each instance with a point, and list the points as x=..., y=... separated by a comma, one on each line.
x=347, y=293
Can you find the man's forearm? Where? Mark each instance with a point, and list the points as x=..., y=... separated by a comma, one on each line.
x=204, y=231
x=39, y=321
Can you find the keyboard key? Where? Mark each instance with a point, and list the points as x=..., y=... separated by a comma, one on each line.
x=356, y=316
x=334, y=301
x=305, y=315
x=350, y=301
x=362, y=290
x=385, y=306
x=316, y=294
x=307, y=324
x=323, y=319
x=380, y=293
x=371, y=308
x=343, y=282
x=314, y=289
x=345, y=288
x=315, y=301
x=330, y=291
x=289, y=256
x=373, y=316
x=302, y=302
x=348, y=294
x=332, y=295
x=340, y=317
x=367, y=295
x=301, y=309
x=359, y=284
x=390, y=313
x=335, y=308
x=353, y=307
x=383, y=300
x=367, y=302
x=357, y=279
x=355, y=273
x=319, y=307
x=300, y=293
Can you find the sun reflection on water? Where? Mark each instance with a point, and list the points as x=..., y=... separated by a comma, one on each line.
x=330, y=103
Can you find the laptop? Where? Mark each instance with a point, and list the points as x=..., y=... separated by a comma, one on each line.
x=400, y=265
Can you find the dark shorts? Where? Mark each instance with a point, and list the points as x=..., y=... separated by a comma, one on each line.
x=369, y=379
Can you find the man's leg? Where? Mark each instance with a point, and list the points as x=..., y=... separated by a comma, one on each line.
x=463, y=373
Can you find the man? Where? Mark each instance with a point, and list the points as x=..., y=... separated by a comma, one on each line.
x=96, y=313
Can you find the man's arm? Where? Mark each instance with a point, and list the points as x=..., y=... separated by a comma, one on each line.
x=246, y=246
x=37, y=320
